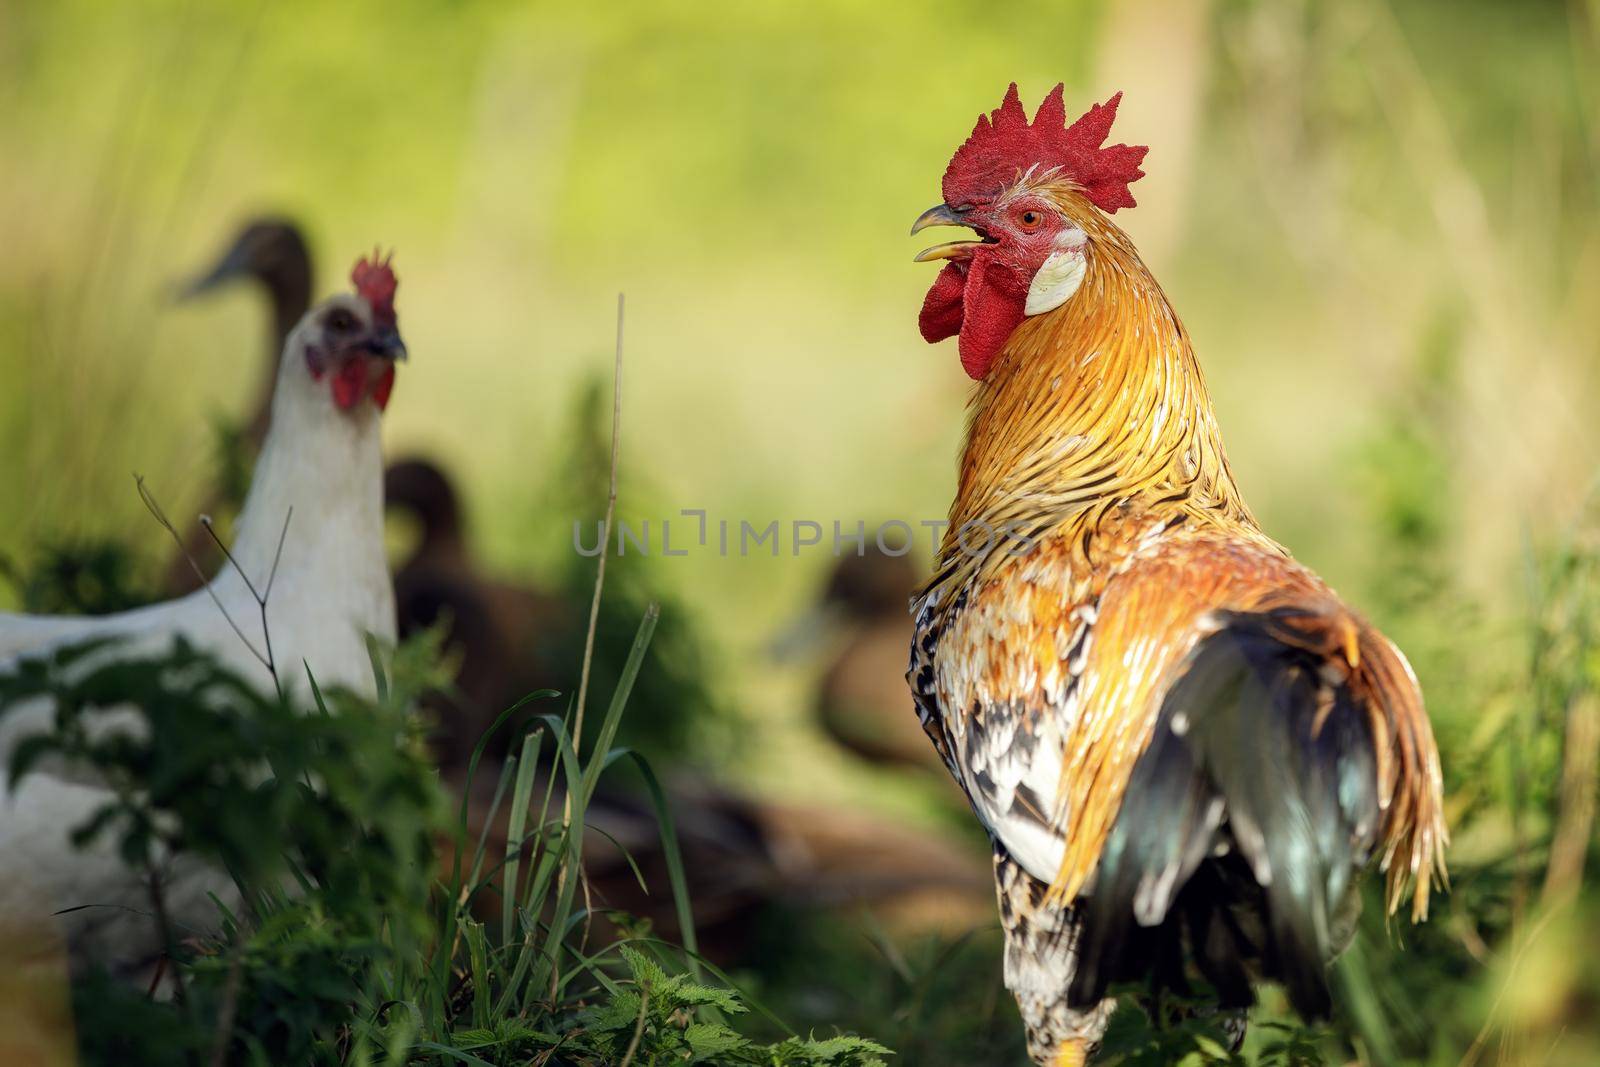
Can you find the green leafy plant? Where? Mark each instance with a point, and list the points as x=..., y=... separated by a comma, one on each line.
x=321, y=818
x=653, y=1019
x=78, y=577
x=347, y=945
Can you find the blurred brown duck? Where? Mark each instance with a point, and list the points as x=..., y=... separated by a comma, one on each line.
x=742, y=857
x=863, y=618
x=502, y=633
x=272, y=253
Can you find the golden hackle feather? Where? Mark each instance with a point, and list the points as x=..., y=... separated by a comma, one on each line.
x=1094, y=435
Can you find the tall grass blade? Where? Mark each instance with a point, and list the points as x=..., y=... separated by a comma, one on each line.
x=446, y=939
x=619, y=698
x=478, y=962
x=473, y=884
x=552, y=858
x=674, y=857
x=380, y=678
x=1355, y=987
x=452, y=1053
x=516, y=827
x=566, y=864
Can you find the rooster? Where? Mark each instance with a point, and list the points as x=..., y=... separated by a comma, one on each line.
x=311, y=531
x=1184, y=747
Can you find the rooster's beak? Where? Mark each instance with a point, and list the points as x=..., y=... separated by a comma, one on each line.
x=938, y=215
x=943, y=215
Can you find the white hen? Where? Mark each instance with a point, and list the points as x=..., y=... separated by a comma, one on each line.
x=321, y=459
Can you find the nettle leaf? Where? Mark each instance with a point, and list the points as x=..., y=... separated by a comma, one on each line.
x=620, y=1012
x=511, y=1032
x=842, y=1051
x=689, y=994
x=645, y=971
x=707, y=1040
x=678, y=991
x=474, y=1038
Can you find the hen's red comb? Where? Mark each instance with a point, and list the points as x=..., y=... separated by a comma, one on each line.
x=375, y=281
x=1004, y=145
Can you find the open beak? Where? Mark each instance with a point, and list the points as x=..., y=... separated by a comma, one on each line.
x=938, y=215
x=943, y=215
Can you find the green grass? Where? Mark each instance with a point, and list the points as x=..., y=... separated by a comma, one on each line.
x=345, y=946
x=1384, y=237
x=351, y=948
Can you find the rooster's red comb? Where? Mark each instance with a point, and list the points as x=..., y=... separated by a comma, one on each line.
x=1004, y=145
x=375, y=281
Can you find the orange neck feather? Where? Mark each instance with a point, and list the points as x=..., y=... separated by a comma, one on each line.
x=1098, y=401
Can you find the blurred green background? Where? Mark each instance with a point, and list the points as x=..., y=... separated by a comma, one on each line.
x=1379, y=220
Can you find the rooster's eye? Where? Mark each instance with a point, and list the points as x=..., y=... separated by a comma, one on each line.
x=1029, y=220
x=341, y=321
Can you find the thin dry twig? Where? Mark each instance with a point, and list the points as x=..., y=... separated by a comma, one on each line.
x=156, y=976
x=588, y=909
x=230, y=1007
x=594, y=609
x=166, y=524
x=259, y=597
x=158, y=902
x=638, y=1027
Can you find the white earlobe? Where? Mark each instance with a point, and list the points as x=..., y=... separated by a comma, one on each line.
x=1060, y=276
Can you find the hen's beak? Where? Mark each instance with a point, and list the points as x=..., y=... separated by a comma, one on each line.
x=943, y=215
x=386, y=344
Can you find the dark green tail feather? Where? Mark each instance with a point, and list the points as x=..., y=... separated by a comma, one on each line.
x=1234, y=767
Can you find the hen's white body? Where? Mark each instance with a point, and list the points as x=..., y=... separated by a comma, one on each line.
x=332, y=589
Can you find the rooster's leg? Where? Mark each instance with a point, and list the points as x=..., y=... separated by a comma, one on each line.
x=1041, y=951
x=1071, y=1054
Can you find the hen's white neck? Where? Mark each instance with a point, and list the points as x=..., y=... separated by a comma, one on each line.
x=325, y=463
x=332, y=584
